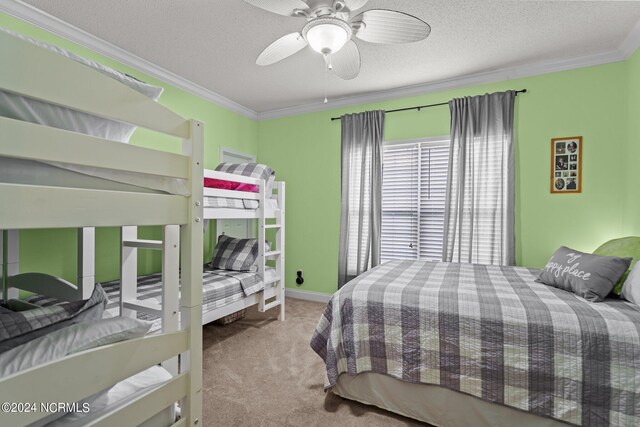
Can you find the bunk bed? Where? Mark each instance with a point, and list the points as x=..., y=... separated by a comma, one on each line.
x=223, y=293
x=102, y=194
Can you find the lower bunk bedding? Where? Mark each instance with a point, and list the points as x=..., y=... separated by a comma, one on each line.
x=33, y=335
x=490, y=332
x=220, y=288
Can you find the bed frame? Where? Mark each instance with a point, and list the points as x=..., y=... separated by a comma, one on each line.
x=269, y=218
x=44, y=75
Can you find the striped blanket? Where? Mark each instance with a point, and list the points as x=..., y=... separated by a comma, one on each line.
x=219, y=289
x=491, y=332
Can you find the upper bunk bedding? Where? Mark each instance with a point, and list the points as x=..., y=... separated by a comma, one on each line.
x=19, y=107
x=220, y=287
x=253, y=170
x=491, y=332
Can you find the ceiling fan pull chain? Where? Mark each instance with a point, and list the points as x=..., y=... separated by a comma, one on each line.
x=326, y=80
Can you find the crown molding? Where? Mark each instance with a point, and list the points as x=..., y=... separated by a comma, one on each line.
x=631, y=43
x=449, y=84
x=41, y=19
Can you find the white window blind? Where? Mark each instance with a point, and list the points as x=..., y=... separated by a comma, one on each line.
x=414, y=184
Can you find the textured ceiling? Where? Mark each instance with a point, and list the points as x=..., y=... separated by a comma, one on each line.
x=214, y=43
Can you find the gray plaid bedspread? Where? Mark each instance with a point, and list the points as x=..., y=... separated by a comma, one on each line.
x=13, y=324
x=491, y=332
x=226, y=202
x=218, y=290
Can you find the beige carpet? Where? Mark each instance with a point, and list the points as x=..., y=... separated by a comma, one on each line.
x=261, y=372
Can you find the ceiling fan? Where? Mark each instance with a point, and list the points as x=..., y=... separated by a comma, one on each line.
x=330, y=29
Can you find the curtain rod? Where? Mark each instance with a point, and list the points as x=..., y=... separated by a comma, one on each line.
x=419, y=107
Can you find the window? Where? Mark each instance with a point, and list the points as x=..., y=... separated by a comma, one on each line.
x=414, y=182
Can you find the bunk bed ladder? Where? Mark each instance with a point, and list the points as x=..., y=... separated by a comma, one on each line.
x=277, y=253
x=169, y=308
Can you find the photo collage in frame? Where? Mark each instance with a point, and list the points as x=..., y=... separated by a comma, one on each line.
x=566, y=165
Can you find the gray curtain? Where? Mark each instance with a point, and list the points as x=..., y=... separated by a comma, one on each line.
x=480, y=199
x=360, y=219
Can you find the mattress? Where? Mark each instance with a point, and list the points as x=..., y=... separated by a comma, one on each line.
x=219, y=289
x=433, y=404
x=230, y=203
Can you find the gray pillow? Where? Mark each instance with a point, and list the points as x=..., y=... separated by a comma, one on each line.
x=236, y=254
x=590, y=276
x=631, y=287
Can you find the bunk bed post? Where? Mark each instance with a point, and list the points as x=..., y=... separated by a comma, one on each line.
x=13, y=262
x=280, y=272
x=262, y=240
x=2, y=281
x=128, y=270
x=86, y=262
x=171, y=286
x=191, y=242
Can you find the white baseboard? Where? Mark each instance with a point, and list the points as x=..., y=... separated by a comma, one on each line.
x=307, y=295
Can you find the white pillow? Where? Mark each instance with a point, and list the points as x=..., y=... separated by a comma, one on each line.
x=72, y=339
x=631, y=286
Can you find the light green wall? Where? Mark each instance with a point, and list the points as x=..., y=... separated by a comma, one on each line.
x=53, y=251
x=632, y=206
x=591, y=102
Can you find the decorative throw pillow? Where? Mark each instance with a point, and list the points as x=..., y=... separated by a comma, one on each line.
x=622, y=247
x=235, y=254
x=631, y=287
x=590, y=276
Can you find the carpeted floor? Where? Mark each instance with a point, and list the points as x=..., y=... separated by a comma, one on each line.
x=261, y=372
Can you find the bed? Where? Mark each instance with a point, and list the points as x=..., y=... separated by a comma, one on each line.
x=464, y=344
x=220, y=288
x=65, y=157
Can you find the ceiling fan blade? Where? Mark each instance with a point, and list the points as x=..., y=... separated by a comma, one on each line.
x=346, y=62
x=389, y=27
x=353, y=5
x=282, y=48
x=281, y=7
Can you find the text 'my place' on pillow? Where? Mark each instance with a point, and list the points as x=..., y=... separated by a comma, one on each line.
x=590, y=276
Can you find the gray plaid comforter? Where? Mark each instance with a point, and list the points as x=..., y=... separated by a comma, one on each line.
x=491, y=332
x=14, y=324
x=219, y=289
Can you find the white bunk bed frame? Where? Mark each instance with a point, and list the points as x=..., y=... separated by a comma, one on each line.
x=37, y=73
x=269, y=218
x=274, y=288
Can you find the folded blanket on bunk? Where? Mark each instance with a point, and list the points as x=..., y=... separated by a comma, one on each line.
x=230, y=185
x=491, y=332
x=254, y=170
x=251, y=282
x=19, y=327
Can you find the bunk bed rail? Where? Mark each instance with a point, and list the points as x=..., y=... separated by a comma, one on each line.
x=83, y=374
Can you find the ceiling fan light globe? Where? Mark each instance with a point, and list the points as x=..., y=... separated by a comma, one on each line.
x=327, y=35
x=327, y=38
